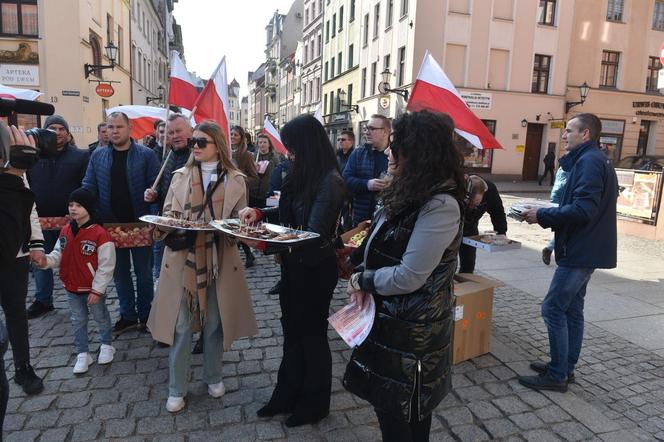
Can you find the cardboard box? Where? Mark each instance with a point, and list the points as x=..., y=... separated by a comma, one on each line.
x=473, y=311
x=345, y=237
x=474, y=241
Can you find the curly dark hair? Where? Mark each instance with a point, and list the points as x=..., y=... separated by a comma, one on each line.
x=423, y=145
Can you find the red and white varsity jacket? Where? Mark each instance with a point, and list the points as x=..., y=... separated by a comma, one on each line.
x=86, y=261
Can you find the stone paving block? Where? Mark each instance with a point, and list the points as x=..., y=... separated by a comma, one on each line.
x=75, y=416
x=154, y=425
x=511, y=405
x=460, y=380
x=255, y=381
x=111, y=411
x=481, y=376
x=86, y=431
x=541, y=436
x=239, y=432
x=23, y=436
x=342, y=401
x=341, y=435
x=147, y=408
x=13, y=422
x=55, y=434
x=42, y=419
x=332, y=422
x=73, y=400
x=572, y=431
x=37, y=403
x=474, y=393
x=190, y=421
x=456, y=416
x=119, y=428
x=470, y=433
x=225, y=415
x=527, y=421
x=534, y=399
x=500, y=428
x=484, y=410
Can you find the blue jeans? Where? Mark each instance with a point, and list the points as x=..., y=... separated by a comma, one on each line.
x=562, y=311
x=133, y=307
x=157, y=257
x=213, y=350
x=44, y=278
x=78, y=306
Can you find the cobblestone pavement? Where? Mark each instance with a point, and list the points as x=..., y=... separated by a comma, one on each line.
x=619, y=394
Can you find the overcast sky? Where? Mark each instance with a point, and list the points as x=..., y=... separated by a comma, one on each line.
x=234, y=28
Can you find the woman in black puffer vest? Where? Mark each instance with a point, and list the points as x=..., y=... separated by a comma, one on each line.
x=410, y=256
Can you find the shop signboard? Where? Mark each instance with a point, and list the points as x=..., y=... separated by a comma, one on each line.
x=477, y=100
x=640, y=194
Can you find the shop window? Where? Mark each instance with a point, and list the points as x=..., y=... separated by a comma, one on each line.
x=611, y=138
x=541, y=67
x=19, y=17
x=474, y=158
x=654, y=65
x=610, y=63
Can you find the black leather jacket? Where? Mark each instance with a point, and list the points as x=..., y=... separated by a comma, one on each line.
x=405, y=361
x=319, y=216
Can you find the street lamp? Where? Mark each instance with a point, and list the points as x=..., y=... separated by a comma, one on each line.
x=384, y=86
x=160, y=97
x=111, y=54
x=583, y=92
x=342, y=102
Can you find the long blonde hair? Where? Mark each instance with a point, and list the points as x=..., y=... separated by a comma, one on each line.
x=214, y=131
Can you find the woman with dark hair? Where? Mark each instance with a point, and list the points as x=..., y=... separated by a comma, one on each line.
x=267, y=159
x=409, y=260
x=244, y=161
x=202, y=285
x=311, y=199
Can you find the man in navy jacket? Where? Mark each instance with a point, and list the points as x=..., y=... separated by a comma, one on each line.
x=365, y=166
x=118, y=175
x=585, y=240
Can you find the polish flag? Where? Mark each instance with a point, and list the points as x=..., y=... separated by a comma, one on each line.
x=17, y=93
x=142, y=118
x=212, y=103
x=181, y=91
x=435, y=92
x=319, y=114
x=273, y=135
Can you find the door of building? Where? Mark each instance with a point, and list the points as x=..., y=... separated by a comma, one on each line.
x=531, y=157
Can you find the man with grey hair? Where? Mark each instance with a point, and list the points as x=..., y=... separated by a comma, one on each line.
x=118, y=176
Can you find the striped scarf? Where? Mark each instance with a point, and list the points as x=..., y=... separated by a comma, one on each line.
x=202, y=266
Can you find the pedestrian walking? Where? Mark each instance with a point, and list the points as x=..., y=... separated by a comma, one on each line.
x=85, y=254
x=409, y=260
x=311, y=199
x=549, y=164
x=585, y=239
x=52, y=180
x=366, y=168
x=118, y=176
x=202, y=285
x=103, y=137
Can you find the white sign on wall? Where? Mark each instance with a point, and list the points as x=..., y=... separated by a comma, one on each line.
x=477, y=100
x=19, y=74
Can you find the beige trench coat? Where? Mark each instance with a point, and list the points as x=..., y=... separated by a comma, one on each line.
x=233, y=298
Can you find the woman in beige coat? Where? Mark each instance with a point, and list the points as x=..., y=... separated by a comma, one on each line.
x=202, y=286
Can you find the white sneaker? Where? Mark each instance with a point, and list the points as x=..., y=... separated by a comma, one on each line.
x=106, y=353
x=174, y=404
x=83, y=360
x=217, y=390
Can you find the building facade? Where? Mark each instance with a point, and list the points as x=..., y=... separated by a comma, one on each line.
x=234, y=103
x=340, y=61
x=615, y=49
x=310, y=60
x=257, y=102
x=149, y=50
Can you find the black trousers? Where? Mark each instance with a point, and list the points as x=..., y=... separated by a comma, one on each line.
x=395, y=430
x=467, y=255
x=4, y=385
x=13, y=292
x=547, y=170
x=304, y=381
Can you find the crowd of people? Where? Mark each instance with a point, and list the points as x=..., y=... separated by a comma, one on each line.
x=407, y=178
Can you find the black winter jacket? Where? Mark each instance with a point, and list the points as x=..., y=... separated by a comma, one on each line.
x=406, y=358
x=17, y=201
x=490, y=203
x=320, y=216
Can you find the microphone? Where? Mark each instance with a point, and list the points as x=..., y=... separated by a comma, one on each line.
x=8, y=105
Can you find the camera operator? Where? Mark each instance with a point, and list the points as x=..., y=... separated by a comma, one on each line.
x=15, y=232
x=53, y=179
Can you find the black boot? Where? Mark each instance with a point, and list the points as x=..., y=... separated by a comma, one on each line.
x=27, y=378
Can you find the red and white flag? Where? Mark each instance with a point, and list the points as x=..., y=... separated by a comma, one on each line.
x=142, y=118
x=21, y=94
x=273, y=135
x=212, y=103
x=181, y=91
x=434, y=91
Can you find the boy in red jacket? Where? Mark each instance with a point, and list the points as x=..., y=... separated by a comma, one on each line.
x=85, y=254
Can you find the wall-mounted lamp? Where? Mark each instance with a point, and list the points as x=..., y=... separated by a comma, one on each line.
x=160, y=97
x=524, y=123
x=384, y=86
x=342, y=102
x=583, y=93
x=111, y=54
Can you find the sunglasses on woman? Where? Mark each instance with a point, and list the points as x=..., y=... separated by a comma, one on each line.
x=200, y=142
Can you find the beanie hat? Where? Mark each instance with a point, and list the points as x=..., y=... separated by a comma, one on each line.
x=85, y=198
x=56, y=119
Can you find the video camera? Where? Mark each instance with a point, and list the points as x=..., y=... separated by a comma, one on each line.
x=19, y=156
